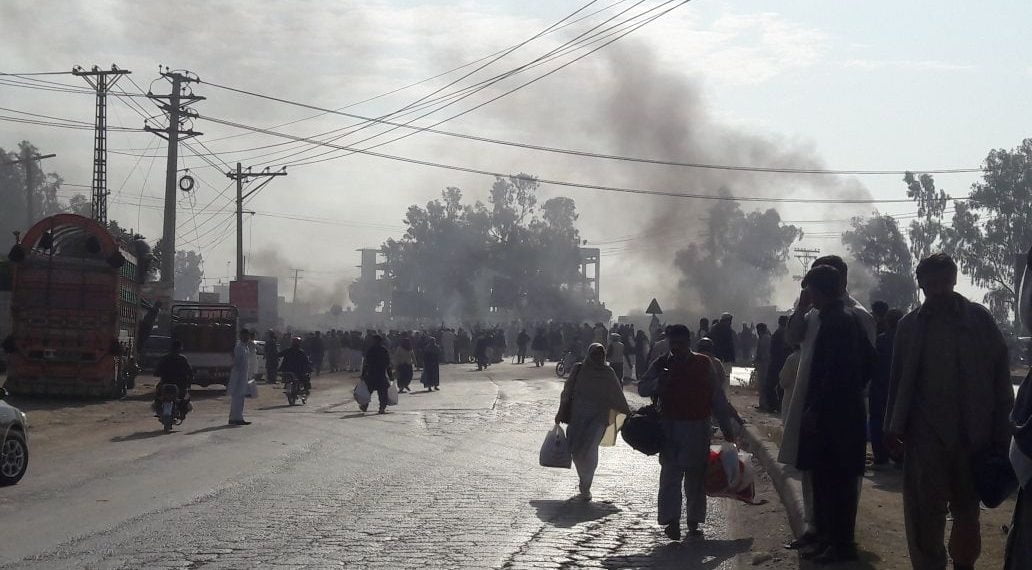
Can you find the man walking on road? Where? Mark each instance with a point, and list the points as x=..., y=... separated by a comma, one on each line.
x=779, y=352
x=238, y=378
x=689, y=393
x=376, y=372
x=271, y=357
x=521, y=346
x=950, y=398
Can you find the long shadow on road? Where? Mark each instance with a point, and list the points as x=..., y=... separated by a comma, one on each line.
x=688, y=555
x=137, y=436
x=569, y=513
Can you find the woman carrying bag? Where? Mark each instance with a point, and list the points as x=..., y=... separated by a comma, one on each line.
x=593, y=405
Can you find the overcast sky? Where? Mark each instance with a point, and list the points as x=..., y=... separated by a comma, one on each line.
x=844, y=85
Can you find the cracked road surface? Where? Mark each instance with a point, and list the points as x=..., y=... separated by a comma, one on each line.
x=447, y=480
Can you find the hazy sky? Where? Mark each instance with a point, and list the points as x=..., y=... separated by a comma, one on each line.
x=845, y=85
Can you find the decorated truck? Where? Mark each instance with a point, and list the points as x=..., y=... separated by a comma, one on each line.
x=75, y=309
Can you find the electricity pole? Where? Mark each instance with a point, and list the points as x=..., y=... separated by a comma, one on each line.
x=178, y=112
x=241, y=177
x=293, y=299
x=805, y=257
x=30, y=181
x=101, y=83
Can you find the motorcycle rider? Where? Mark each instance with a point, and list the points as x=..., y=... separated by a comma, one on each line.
x=296, y=361
x=174, y=368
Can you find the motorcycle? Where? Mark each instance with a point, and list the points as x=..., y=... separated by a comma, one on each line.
x=170, y=408
x=295, y=388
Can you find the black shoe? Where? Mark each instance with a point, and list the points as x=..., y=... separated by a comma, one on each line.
x=812, y=551
x=803, y=541
x=364, y=408
x=382, y=411
x=239, y=423
x=673, y=531
x=836, y=554
x=437, y=388
x=694, y=530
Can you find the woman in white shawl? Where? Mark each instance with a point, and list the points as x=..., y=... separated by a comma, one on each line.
x=592, y=404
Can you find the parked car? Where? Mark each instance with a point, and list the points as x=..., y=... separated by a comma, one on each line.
x=14, y=449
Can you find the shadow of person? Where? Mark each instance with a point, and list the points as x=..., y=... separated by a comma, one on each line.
x=687, y=555
x=212, y=428
x=357, y=415
x=565, y=514
x=277, y=407
x=138, y=435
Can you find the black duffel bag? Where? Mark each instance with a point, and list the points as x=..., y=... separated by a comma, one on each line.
x=643, y=430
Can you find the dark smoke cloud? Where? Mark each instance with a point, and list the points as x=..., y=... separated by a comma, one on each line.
x=638, y=108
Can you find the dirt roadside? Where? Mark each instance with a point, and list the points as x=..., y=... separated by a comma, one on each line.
x=59, y=424
x=880, y=532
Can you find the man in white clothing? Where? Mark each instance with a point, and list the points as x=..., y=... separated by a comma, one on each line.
x=238, y=377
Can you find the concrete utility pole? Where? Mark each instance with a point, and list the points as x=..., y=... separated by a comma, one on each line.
x=241, y=177
x=176, y=109
x=30, y=182
x=99, y=81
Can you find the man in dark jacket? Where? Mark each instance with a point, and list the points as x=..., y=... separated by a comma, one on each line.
x=833, y=436
x=376, y=372
x=174, y=368
x=521, y=346
x=878, y=395
x=271, y=356
x=296, y=362
x=778, y=355
x=724, y=340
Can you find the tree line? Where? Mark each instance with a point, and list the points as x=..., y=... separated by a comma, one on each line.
x=45, y=201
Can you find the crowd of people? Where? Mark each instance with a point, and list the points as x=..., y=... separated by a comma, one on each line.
x=930, y=390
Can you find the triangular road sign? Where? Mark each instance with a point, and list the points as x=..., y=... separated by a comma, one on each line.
x=654, y=308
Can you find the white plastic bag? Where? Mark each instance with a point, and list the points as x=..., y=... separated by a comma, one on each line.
x=252, y=388
x=555, y=451
x=730, y=474
x=392, y=394
x=361, y=393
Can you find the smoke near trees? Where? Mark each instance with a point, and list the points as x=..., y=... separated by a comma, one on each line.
x=508, y=258
x=13, y=193
x=738, y=257
x=878, y=244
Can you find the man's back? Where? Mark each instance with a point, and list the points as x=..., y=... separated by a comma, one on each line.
x=174, y=368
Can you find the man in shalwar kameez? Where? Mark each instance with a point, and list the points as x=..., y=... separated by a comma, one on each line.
x=689, y=393
x=238, y=377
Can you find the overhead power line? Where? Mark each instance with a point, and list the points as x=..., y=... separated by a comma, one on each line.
x=606, y=35
x=565, y=183
x=769, y=169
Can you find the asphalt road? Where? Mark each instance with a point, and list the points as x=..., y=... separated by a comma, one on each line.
x=446, y=480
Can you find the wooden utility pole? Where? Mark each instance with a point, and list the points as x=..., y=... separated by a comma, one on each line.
x=30, y=181
x=241, y=177
x=293, y=299
x=176, y=108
